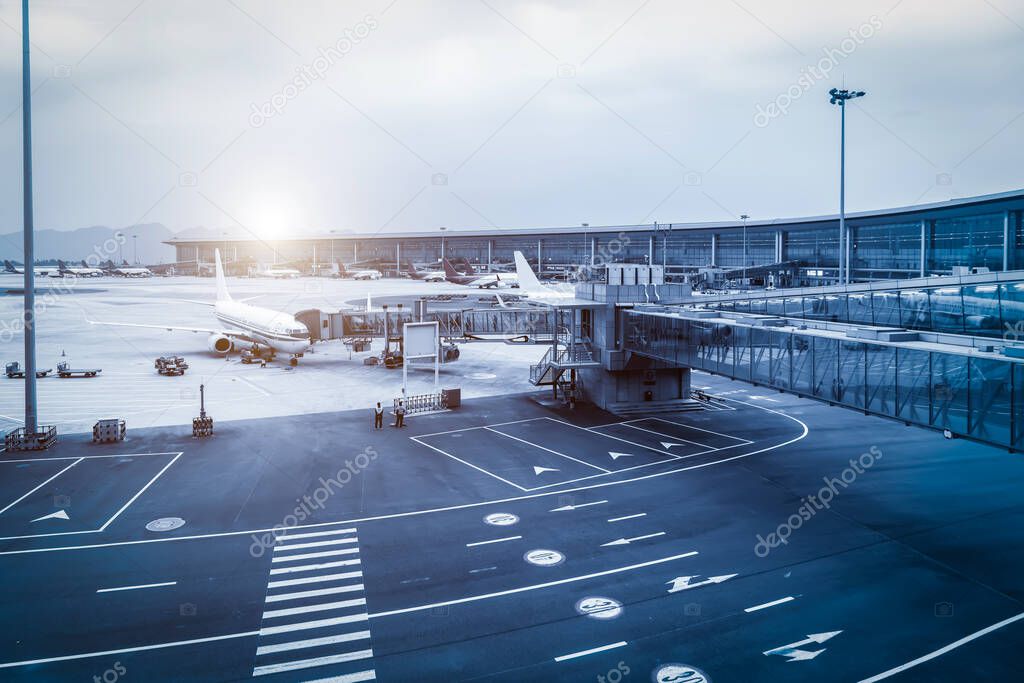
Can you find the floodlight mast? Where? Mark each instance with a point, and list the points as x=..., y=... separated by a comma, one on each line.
x=31, y=407
x=840, y=98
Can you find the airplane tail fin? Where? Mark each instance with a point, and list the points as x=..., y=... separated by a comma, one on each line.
x=84, y=264
x=9, y=267
x=341, y=269
x=61, y=266
x=222, y=283
x=411, y=271
x=528, y=281
x=449, y=270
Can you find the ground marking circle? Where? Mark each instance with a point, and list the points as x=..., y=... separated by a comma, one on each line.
x=679, y=673
x=501, y=519
x=598, y=607
x=165, y=524
x=544, y=558
x=481, y=375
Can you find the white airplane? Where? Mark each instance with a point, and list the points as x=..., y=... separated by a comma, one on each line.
x=370, y=274
x=533, y=289
x=64, y=271
x=279, y=273
x=40, y=271
x=252, y=325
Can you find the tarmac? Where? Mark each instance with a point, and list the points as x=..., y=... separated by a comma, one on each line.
x=770, y=538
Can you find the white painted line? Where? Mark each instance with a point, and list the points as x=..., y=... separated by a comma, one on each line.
x=311, y=567
x=310, y=663
x=943, y=650
x=674, y=438
x=312, y=642
x=701, y=429
x=538, y=586
x=804, y=431
x=319, y=623
x=627, y=541
x=9, y=506
x=482, y=569
x=622, y=519
x=538, y=446
x=351, y=588
x=88, y=457
x=319, y=607
x=591, y=651
x=315, y=544
x=773, y=603
x=470, y=429
x=566, y=508
x=141, y=491
x=467, y=464
x=496, y=540
x=140, y=648
x=289, y=537
x=617, y=438
x=310, y=556
x=131, y=588
x=358, y=677
x=314, y=579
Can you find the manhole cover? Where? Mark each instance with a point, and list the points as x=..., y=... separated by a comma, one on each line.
x=501, y=519
x=165, y=524
x=481, y=375
x=598, y=607
x=544, y=558
x=679, y=673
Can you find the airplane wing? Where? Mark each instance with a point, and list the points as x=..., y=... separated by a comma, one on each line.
x=173, y=328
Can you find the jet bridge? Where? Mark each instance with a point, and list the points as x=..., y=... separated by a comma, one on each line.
x=965, y=385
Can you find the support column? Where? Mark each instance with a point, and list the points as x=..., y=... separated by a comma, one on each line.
x=398, y=255
x=1007, y=239
x=593, y=251
x=924, y=245
x=540, y=257
x=714, y=248
x=650, y=251
x=355, y=250
x=778, y=246
x=490, y=255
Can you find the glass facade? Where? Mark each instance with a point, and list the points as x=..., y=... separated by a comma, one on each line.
x=990, y=310
x=911, y=243
x=968, y=395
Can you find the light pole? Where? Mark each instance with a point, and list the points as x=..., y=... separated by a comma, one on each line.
x=744, y=218
x=443, y=228
x=31, y=412
x=840, y=98
x=586, y=243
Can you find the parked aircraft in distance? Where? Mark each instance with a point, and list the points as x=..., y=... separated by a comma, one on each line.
x=251, y=325
x=41, y=271
x=480, y=280
x=126, y=271
x=369, y=274
x=426, y=276
x=63, y=270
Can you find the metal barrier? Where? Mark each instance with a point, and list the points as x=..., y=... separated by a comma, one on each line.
x=423, y=403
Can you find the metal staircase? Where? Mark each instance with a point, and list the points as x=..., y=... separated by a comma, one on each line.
x=563, y=356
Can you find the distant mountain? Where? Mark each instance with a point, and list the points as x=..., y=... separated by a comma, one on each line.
x=100, y=241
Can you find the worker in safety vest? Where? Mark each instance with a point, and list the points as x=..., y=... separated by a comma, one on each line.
x=378, y=416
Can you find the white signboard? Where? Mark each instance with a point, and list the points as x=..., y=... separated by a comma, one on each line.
x=421, y=340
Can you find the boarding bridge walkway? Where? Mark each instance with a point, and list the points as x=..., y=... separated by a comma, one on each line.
x=969, y=385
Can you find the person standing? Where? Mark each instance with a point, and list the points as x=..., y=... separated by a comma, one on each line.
x=378, y=416
x=400, y=414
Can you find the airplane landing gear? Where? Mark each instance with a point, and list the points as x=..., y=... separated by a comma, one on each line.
x=293, y=361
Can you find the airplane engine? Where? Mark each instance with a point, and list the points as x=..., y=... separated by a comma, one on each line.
x=218, y=343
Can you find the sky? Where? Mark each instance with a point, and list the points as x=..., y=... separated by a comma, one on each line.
x=287, y=118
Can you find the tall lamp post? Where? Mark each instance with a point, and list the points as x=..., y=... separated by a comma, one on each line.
x=744, y=218
x=31, y=412
x=840, y=98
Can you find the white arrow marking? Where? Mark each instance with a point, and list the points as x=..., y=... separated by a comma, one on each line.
x=616, y=456
x=626, y=541
x=668, y=444
x=537, y=469
x=566, y=508
x=792, y=652
x=59, y=514
x=682, y=583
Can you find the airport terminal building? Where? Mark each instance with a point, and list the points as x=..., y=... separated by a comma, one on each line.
x=915, y=241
